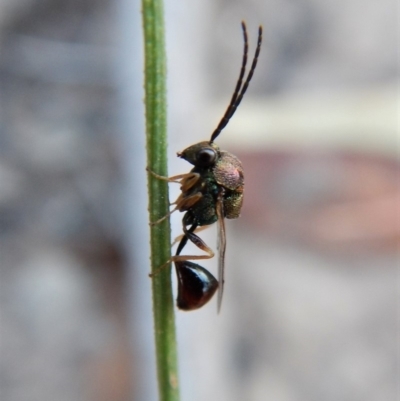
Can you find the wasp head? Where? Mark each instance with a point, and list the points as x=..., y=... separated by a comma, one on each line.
x=202, y=154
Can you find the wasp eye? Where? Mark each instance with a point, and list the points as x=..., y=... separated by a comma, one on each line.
x=206, y=157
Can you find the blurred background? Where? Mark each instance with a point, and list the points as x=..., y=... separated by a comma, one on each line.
x=311, y=308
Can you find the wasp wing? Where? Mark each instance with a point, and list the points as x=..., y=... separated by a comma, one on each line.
x=221, y=247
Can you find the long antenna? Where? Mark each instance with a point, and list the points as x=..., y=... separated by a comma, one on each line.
x=239, y=89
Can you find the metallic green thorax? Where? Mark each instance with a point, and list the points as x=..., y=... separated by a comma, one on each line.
x=224, y=174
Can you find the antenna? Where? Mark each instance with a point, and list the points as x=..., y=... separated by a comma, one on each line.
x=239, y=89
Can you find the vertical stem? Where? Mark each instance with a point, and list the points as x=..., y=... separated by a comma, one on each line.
x=155, y=102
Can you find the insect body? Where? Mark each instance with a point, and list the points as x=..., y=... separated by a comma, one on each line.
x=211, y=192
x=215, y=185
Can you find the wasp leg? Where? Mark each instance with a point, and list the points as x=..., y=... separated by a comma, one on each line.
x=185, y=202
x=189, y=235
x=175, y=178
x=196, y=240
x=156, y=271
x=179, y=237
x=182, y=204
x=154, y=223
x=189, y=181
x=183, y=258
x=200, y=244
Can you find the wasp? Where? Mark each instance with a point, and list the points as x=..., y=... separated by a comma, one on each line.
x=211, y=192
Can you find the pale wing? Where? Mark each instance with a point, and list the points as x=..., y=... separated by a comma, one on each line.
x=221, y=248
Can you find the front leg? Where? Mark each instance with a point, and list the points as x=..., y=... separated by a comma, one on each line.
x=184, y=201
x=175, y=178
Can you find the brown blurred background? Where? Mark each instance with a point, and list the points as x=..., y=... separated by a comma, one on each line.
x=311, y=300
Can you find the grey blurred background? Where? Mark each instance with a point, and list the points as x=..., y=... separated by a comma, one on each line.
x=311, y=305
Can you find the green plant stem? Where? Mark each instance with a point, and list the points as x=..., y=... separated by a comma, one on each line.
x=155, y=100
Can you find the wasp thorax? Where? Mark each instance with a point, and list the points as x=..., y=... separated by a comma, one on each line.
x=202, y=154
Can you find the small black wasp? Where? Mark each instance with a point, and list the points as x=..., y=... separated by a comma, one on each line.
x=211, y=191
